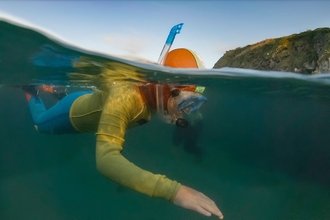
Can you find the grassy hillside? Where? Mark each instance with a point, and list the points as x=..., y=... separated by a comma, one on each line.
x=307, y=52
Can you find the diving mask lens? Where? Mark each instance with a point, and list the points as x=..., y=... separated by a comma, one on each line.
x=190, y=104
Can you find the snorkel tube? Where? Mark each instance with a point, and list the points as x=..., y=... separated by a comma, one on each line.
x=159, y=88
x=169, y=41
x=165, y=115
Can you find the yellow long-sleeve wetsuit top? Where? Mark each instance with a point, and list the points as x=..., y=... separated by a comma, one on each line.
x=109, y=114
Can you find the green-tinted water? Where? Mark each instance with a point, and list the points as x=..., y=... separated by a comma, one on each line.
x=266, y=143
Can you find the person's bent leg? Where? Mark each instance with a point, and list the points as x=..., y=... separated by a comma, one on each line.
x=56, y=119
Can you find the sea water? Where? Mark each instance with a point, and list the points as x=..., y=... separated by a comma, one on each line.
x=265, y=140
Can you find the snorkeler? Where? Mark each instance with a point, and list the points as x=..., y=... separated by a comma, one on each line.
x=109, y=113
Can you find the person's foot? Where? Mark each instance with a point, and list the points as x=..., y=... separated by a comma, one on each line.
x=31, y=90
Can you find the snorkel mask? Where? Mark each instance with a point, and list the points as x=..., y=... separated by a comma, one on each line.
x=182, y=106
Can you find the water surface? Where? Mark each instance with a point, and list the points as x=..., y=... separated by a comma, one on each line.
x=265, y=136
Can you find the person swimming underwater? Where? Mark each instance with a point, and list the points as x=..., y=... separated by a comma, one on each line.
x=109, y=113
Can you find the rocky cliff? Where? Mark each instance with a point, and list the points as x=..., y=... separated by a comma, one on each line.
x=307, y=52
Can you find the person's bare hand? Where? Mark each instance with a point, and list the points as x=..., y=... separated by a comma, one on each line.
x=191, y=199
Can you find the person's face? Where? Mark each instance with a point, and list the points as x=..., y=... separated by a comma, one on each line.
x=172, y=108
x=185, y=106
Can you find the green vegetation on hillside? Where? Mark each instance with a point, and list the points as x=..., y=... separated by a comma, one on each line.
x=307, y=52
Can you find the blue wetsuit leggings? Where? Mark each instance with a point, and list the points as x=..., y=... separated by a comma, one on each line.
x=56, y=119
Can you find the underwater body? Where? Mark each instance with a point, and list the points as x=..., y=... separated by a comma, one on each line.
x=265, y=138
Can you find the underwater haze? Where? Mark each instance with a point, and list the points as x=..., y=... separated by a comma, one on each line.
x=265, y=140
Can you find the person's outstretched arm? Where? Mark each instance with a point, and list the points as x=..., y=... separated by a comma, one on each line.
x=114, y=166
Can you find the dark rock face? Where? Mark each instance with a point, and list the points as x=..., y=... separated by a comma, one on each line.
x=307, y=52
